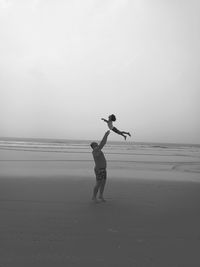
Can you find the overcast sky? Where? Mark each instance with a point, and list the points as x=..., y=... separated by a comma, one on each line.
x=64, y=64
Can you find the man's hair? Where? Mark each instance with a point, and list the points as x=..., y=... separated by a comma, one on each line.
x=112, y=117
x=92, y=144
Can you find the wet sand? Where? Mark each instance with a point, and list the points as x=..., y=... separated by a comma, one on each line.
x=151, y=216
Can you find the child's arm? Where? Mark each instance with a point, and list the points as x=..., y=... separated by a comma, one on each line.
x=104, y=120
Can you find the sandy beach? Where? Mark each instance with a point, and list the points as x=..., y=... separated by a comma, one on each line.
x=151, y=217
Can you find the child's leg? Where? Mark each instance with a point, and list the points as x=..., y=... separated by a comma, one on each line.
x=126, y=133
x=119, y=132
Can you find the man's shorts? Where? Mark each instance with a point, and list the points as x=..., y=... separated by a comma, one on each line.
x=101, y=174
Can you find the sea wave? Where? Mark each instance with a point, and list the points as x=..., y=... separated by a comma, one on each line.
x=83, y=146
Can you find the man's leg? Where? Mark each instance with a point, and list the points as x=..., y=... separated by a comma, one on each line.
x=101, y=189
x=95, y=190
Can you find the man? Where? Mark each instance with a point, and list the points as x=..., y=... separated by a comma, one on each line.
x=100, y=167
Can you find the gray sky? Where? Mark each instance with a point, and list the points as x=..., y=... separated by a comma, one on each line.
x=64, y=64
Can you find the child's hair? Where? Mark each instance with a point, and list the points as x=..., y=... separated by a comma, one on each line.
x=112, y=117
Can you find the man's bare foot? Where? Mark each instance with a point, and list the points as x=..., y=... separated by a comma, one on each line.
x=95, y=199
x=102, y=199
x=129, y=134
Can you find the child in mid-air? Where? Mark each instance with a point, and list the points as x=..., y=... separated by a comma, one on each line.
x=110, y=120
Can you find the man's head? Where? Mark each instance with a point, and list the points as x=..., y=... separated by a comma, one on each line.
x=93, y=145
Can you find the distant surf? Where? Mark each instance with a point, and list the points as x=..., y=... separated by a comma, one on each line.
x=83, y=146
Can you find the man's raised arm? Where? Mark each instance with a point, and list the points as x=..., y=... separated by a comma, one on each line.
x=104, y=140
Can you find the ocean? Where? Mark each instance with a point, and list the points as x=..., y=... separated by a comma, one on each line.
x=127, y=158
x=73, y=146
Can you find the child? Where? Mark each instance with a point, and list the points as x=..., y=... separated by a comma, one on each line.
x=110, y=120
